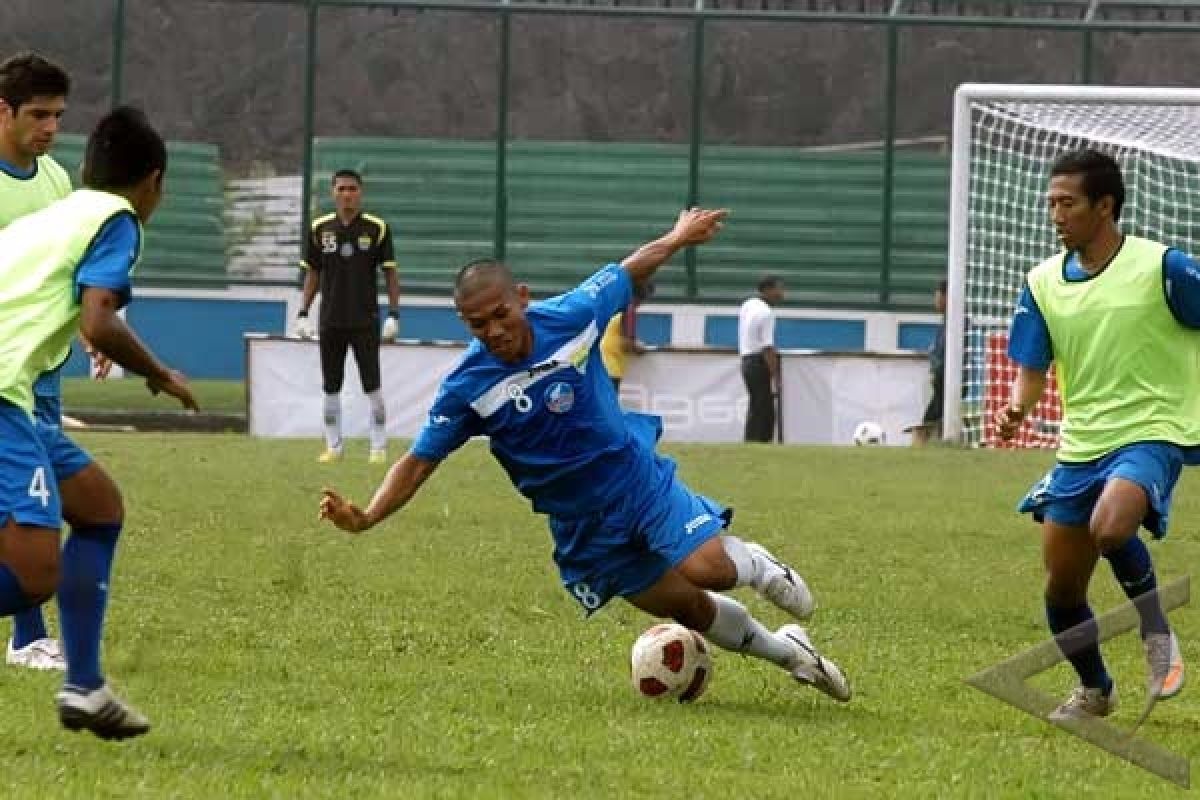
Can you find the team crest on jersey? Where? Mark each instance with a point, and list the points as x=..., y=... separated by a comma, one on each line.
x=347, y=249
x=560, y=397
x=364, y=243
x=328, y=242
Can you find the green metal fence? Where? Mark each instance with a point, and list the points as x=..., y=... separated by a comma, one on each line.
x=726, y=108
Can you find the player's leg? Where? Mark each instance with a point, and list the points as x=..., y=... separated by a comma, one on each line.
x=366, y=355
x=728, y=624
x=684, y=530
x=727, y=562
x=93, y=507
x=30, y=515
x=1138, y=492
x=1069, y=558
x=332, y=344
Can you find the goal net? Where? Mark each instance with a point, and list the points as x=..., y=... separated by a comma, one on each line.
x=1005, y=139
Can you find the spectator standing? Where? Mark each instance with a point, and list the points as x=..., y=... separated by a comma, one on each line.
x=760, y=359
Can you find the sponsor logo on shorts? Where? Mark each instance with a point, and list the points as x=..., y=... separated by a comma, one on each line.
x=695, y=523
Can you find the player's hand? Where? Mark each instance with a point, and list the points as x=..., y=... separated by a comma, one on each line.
x=391, y=328
x=101, y=364
x=304, y=326
x=1008, y=421
x=341, y=512
x=176, y=385
x=698, y=225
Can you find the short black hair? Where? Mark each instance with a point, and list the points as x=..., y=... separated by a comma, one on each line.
x=122, y=150
x=941, y=287
x=28, y=75
x=769, y=282
x=1101, y=175
x=346, y=173
x=481, y=270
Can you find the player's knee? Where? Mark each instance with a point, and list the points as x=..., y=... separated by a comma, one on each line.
x=695, y=611
x=38, y=579
x=1065, y=591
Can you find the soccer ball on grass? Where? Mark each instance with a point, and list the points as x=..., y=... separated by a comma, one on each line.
x=869, y=433
x=668, y=660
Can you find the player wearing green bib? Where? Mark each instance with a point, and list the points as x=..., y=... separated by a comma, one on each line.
x=65, y=269
x=33, y=93
x=1118, y=316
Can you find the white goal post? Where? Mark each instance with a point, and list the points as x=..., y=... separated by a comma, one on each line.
x=1004, y=139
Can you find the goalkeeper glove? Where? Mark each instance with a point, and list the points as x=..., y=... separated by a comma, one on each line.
x=391, y=326
x=304, y=328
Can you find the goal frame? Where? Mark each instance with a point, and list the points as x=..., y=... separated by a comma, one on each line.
x=960, y=183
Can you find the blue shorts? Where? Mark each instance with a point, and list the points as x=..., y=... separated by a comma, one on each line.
x=625, y=549
x=1068, y=493
x=66, y=457
x=28, y=488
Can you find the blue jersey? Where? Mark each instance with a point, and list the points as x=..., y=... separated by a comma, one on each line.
x=106, y=265
x=1029, y=337
x=552, y=419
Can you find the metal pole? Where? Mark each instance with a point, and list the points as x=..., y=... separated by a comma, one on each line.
x=118, y=52
x=500, y=228
x=956, y=302
x=310, y=100
x=697, y=137
x=889, y=167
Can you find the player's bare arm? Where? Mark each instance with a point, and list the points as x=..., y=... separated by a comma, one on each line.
x=1026, y=391
x=100, y=324
x=694, y=226
x=399, y=485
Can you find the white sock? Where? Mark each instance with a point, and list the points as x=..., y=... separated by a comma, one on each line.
x=333, y=422
x=378, y=420
x=748, y=572
x=734, y=629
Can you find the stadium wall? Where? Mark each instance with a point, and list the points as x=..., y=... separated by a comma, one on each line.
x=201, y=332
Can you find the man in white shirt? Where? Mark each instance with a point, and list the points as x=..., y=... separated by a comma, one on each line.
x=760, y=359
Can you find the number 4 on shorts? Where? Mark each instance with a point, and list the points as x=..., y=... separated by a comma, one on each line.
x=38, y=487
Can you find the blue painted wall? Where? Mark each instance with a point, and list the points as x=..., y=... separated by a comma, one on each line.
x=810, y=334
x=202, y=337
x=915, y=335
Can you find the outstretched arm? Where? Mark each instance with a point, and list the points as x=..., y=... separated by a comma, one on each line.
x=103, y=328
x=694, y=226
x=399, y=485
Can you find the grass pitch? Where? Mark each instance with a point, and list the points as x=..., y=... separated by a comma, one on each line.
x=437, y=656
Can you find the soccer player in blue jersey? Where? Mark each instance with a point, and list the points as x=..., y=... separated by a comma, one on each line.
x=62, y=269
x=1118, y=316
x=623, y=523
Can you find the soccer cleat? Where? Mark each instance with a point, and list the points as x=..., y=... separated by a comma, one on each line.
x=330, y=456
x=812, y=668
x=1085, y=702
x=782, y=586
x=101, y=712
x=1165, y=663
x=40, y=654
x=377, y=457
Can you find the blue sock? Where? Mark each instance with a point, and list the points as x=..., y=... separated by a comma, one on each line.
x=28, y=627
x=12, y=597
x=1081, y=645
x=1134, y=570
x=82, y=598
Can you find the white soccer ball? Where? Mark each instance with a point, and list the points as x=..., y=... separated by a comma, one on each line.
x=668, y=660
x=869, y=433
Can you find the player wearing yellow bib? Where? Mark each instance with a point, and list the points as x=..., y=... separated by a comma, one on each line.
x=33, y=94
x=1118, y=316
x=65, y=269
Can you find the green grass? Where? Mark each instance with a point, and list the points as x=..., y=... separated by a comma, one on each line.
x=437, y=656
x=130, y=394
